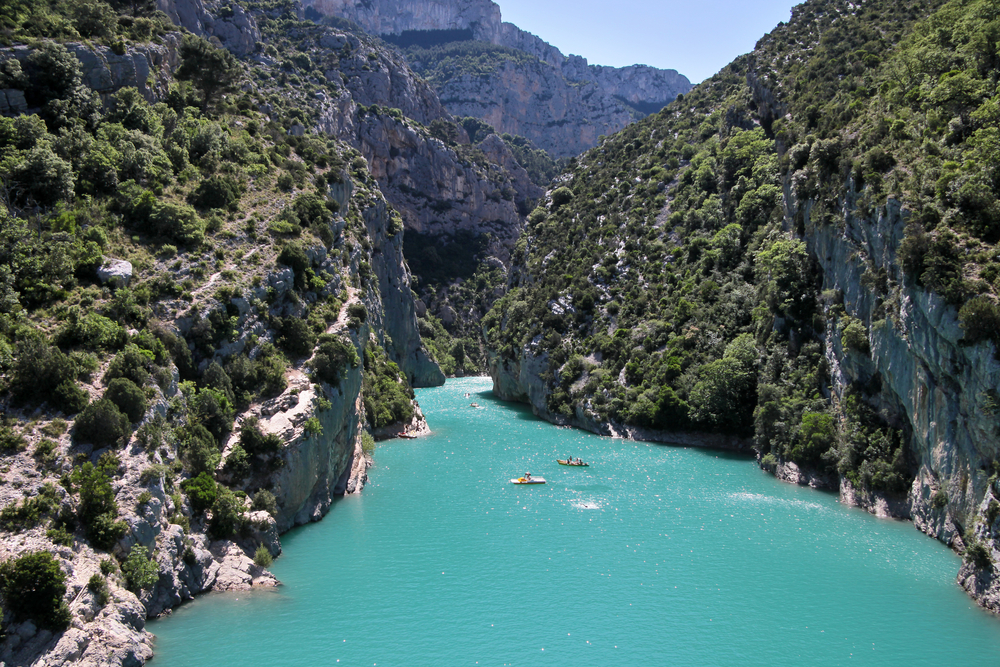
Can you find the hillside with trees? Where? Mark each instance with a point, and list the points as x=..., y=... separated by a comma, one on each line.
x=798, y=259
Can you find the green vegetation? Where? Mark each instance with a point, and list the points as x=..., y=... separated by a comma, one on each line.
x=262, y=557
x=201, y=491
x=98, y=585
x=140, y=569
x=33, y=587
x=387, y=397
x=667, y=283
x=98, y=510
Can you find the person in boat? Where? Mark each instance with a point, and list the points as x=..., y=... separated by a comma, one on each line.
x=527, y=477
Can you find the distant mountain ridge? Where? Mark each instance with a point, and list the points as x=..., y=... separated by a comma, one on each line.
x=541, y=100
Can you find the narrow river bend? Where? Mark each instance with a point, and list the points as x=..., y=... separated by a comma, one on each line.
x=654, y=555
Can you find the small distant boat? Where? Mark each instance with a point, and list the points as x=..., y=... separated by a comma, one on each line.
x=527, y=480
x=474, y=405
x=408, y=436
x=570, y=462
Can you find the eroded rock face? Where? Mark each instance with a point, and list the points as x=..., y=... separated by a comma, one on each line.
x=398, y=331
x=929, y=377
x=146, y=67
x=386, y=17
x=561, y=103
x=234, y=28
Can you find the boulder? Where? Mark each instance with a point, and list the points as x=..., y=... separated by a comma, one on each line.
x=115, y=272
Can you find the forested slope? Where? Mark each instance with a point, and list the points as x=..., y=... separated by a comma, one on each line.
x=798, y=257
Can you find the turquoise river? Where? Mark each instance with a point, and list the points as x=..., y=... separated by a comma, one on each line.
x=654, y=555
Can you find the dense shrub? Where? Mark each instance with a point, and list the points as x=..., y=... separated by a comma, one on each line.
x=201, y=491
x=296, y=337
x=140, y=570
x=854, y=335
x=43, y=178
x=199, y=449
x=98, y=510
x=312, y=210
x=980, y=320
x=216, y=377
x=128, y=397
x=262, y=557
x=255, y=442
x=358, y=311
x=561, y=196
x=44, y=373
x=265, y=500
x=92, y=330
x=211, y=70
x=387, y=397
x=130, y=363
x=238, y=464
x=227, y=515
x=101, y=423
x=213, y=410
x=33, y=587
x=332, y=358
x=217, y=192
x=98, y=585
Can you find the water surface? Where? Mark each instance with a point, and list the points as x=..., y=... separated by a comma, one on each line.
x=654, y=555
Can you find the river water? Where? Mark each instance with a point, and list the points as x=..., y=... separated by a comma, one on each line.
x=654, y=555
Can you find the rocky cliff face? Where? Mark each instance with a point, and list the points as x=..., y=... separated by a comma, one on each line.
x=437, y=188
x=231, y=27
x=145, y=67
x=938, y=384
x=534, y=100
x=393, y=18
x=318, y=424
x=560, y=103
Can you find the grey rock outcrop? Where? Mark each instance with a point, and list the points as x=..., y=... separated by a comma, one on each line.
x=561, y=103
x=388, y=17
x=115, y=272
x=146, y=67
x=933, y=381
x=232, y=26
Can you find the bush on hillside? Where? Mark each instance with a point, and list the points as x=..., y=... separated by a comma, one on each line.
x=101, y=423
x=33, y=587
x=128, y=397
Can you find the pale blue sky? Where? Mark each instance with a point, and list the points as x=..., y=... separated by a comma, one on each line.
x=696, y=38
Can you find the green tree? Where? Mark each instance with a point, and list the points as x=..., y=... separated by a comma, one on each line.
x=817, y=435
x=140, y=570
x=227, y=515
x=726, y=394
x=201, y=490
x=43, y=178
x=134, y=7
x=98, y=510
x=211, y=70
x=33, y=587
x=101, y=423
x=199, y=450
x=128, y=397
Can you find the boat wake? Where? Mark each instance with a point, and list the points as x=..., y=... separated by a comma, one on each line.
x=586, y=505
x=760, y=499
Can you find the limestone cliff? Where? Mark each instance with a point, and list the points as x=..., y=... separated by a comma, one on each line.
x=560, y=103
x=318, y=423
x=230, y=26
